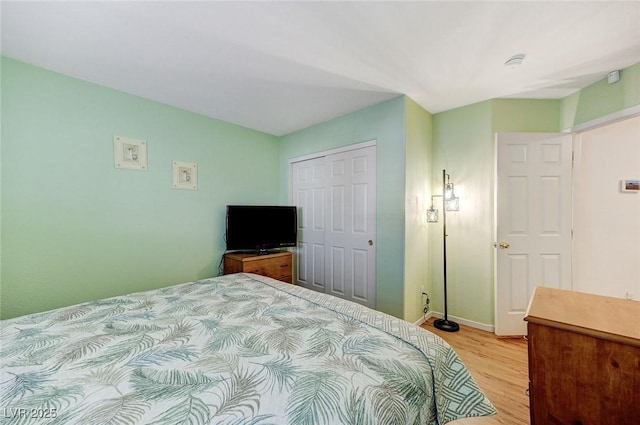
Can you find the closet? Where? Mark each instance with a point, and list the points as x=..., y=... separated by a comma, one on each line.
x=335, y=193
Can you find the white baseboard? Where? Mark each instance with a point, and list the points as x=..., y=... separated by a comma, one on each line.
x=459, y=320
x=423, y=319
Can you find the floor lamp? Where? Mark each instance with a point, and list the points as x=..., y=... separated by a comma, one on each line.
x=450, y=202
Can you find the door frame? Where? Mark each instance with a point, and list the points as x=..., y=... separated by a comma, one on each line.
x=314, y=155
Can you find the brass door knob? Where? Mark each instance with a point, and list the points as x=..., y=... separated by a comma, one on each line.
x=504, y=245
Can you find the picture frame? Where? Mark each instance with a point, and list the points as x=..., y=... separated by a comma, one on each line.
x=630, y=185
x=185, y=175
x=130, y=153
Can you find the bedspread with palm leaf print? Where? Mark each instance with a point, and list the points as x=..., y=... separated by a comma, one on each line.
x=237, y=349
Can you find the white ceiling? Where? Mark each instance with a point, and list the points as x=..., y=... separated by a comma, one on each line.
x=281, y=66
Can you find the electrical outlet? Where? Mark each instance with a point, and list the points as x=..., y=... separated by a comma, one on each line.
x=426, y=301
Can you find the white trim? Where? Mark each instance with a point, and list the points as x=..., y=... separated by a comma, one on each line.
x=494, y=253
x=340, y=149
x=605, y=120
x=482, y=326
x=423, y=319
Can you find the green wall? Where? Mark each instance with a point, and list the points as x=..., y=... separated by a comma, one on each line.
x=525, y=115
x=1, y=58
x=418, y=128
x=384, y=123
x=601, y=99
x=75, y=228
x=462, y=144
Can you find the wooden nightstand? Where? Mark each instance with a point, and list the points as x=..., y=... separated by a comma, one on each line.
x=276, y=265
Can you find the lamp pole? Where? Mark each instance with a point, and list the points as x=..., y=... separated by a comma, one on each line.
x=445, y=324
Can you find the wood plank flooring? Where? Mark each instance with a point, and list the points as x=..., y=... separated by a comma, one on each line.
x=499, y=366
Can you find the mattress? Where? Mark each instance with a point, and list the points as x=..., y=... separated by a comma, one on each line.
x=237, y=349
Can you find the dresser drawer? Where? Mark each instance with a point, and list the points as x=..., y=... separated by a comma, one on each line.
x=273, y=267
x=278, y=265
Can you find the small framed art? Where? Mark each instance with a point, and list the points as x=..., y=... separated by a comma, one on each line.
x=632, y=185
x=185, y=175
x=130, y=153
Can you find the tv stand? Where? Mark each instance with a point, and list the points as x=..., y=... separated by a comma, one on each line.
x=277, y=265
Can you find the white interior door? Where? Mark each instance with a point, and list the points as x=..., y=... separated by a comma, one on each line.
x=533, y=222
x=309, y=195
x=336, y=197
x=350, y=236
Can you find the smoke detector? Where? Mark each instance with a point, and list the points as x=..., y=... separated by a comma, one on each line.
x=514, y=61
x=613, y=77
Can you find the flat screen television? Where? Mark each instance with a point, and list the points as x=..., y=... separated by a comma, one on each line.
x=261, y=227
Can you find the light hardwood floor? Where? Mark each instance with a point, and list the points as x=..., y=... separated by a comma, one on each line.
x=499, y=366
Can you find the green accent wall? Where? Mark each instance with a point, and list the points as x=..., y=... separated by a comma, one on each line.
x=75, y=228
x=1, y=60
x=525, y=115
x=384, y=123
x=418, y=189
x=462, y=144
x=601, y=99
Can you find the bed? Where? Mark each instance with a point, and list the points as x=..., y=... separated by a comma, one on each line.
x=238, y=349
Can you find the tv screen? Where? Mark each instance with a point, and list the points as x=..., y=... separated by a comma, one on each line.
x=261, y=227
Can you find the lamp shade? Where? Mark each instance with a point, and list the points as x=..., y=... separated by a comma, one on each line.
x=448, y=191
x=432, y=215
x=453, y=204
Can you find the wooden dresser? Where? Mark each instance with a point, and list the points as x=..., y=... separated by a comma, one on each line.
x=276, y=265
x=584, y=359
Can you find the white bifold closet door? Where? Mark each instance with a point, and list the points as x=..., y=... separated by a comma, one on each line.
x=336, y=197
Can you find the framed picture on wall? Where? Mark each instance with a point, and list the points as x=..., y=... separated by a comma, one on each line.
x=130, y=153
x=630, y=185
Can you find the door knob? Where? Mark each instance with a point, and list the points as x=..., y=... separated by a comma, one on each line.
x=504, y=245
x=370, y=242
